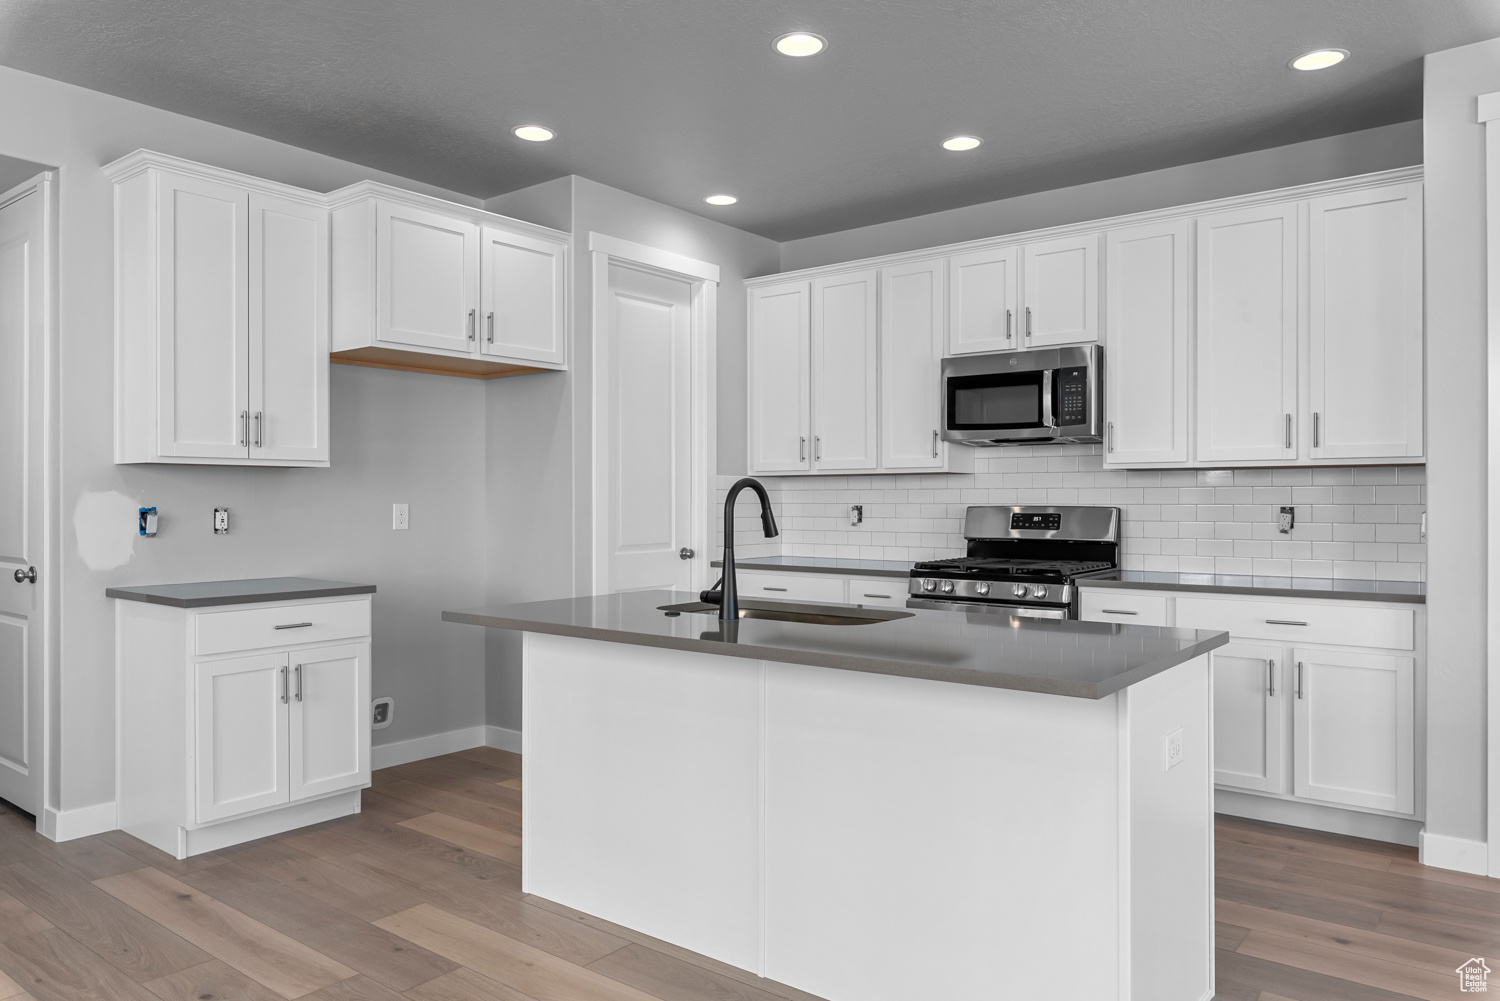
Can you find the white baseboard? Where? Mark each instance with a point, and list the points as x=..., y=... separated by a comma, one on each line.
x=1316, y=817
x=418, y=748
x=1461, y=854
x=65, y=825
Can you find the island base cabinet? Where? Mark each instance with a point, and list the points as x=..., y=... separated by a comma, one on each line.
x=1353, y=729
x=859, y=836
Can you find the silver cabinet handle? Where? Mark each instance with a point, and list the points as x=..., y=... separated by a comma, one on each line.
x=1270, y=679
x=935, y=437
x=489, y=321
x=1284, y=622
x=768, y=588
x=244, y=428
x=283, y=684
x=299, y=682
x=1316, y=428
x=1111, y=436
x=1028, y=323
x=472, y=313
x=817, y=448
x=26, y=576
x=293, y=625
x=1288, y=430
x=1118, y=611
x=802, y=449
x=886, y=596
x=1007, y=324
x=1299, y=679
x=259, y=420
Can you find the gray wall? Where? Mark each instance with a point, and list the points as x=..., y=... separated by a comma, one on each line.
x=395, y=437
x=1456, y=463
x=1303, y=163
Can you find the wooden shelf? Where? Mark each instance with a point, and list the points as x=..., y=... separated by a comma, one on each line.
x=413, y=361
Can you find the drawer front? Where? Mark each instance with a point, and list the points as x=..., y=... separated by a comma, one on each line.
x=791, y=586
x=885, y=591
x=1300, y=621
x=1118, y=605
x=282, y=626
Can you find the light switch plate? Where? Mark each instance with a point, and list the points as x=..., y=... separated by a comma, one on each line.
x=400, y=518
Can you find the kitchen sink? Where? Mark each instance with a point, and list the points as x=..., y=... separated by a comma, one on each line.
x=796, y=611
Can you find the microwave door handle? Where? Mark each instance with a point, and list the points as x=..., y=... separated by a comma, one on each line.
x=1047, y=420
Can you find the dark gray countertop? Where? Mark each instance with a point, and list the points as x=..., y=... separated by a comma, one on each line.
x=1286, y=587
x=824, y=564
x=1081, y=659
x=237, y=592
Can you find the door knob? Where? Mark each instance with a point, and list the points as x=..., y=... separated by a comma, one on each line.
x=27, y=576
x=683, y=554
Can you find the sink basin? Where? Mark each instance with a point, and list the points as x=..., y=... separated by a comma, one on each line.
x=797, y=611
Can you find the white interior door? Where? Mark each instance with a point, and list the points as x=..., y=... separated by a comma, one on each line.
x=288, y=329
x=648, y=418
x=1248, y=699
x=23, y=295
x=241, y=734
x=330, y=740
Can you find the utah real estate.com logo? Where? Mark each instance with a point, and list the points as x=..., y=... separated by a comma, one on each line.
x=1473, y=976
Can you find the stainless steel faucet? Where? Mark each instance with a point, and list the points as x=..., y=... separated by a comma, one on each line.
x=728, y=594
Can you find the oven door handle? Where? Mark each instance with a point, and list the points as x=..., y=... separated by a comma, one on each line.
x=1047, y=419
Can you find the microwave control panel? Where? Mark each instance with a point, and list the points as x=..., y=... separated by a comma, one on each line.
x=1072, y=397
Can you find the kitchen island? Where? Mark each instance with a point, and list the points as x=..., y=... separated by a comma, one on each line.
x=928, y=804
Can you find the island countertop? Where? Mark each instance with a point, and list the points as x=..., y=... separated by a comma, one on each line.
x=1086, y=660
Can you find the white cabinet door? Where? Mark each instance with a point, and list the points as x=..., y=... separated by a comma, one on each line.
x=1247, y=334
x=426, y=267
x=844, y=360
x=330, y=738
x=1146, y=337
x=911, y=355
x=523, y=297
x=983, y=301
x=1062, y=291
x=288, y=316
x=240, y=735
x=202, y=349
x=1365, y=323
x=780, y=384
x=1354, y=729
x=1248, y=694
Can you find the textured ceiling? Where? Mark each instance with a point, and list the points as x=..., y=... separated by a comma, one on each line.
x=677, y=99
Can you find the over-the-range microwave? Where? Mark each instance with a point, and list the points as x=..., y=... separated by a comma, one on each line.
x=1024, y=397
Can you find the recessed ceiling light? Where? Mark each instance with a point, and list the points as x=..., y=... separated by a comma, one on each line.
x=721, y=199
x=1319, y=59
x=960, y=143
x=533, y=133
x=800, y=43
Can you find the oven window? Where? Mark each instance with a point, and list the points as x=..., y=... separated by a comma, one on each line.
x=978, y=402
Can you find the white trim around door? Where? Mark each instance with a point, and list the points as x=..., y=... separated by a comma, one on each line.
x=1489, y=117
x=704, y=279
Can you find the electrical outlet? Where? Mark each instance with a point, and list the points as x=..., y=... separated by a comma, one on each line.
x=856, y=514
x=221, y=521
x=400, y=518
x=1174, y=748
x=382, y=711
x=1286, y=520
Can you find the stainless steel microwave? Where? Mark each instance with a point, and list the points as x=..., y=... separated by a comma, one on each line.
x=1024, y=397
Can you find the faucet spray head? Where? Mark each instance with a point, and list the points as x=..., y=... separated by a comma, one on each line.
x=768, y=522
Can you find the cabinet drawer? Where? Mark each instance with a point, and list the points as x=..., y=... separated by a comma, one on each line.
x=886, y=591
x=282, y=626
x=792, y=586
x=1116, y=605
x=1300, y=622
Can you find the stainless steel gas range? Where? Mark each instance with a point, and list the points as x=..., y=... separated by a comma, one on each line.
x=1022, y=561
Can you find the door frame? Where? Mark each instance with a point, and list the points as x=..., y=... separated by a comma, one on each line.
x=44, y=185
x=1488, y=108
x=703, y=278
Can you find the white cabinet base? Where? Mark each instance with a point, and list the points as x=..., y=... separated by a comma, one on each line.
x=1317, y=817
x=185, y=842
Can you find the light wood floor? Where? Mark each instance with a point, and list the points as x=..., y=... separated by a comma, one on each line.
x=418, y=899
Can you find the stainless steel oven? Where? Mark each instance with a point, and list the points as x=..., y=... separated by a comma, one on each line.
x=1024, y=397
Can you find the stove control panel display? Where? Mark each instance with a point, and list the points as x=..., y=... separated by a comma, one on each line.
x=1036, y=521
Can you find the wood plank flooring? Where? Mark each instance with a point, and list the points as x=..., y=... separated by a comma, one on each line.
x=418, y=898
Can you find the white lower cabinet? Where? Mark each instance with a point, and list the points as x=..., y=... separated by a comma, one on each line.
x=221, y=746
x=1315, y=700
x=792, y=586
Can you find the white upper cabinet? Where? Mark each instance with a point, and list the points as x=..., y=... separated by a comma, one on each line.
x=426, y=285
x=1146, y=344
x=1247, y=334
x=844, y=360
x=1365, y=323
x=983, y=300
x=1062, y=291
x=523, y=303
x=780, y=381
x=911, y=354
x=221, y=317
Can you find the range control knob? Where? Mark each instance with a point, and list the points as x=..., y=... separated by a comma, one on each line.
x=1039, y=591
x=1019, y=590
x=947, y=587
x=929, y=585
x=982, y=588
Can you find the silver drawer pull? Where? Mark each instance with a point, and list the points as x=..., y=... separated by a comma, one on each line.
x=773, y=589
x=1284, y=622
x=1118, y=611
x=877, y=596
x=1271, y=678
x=293, y=625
